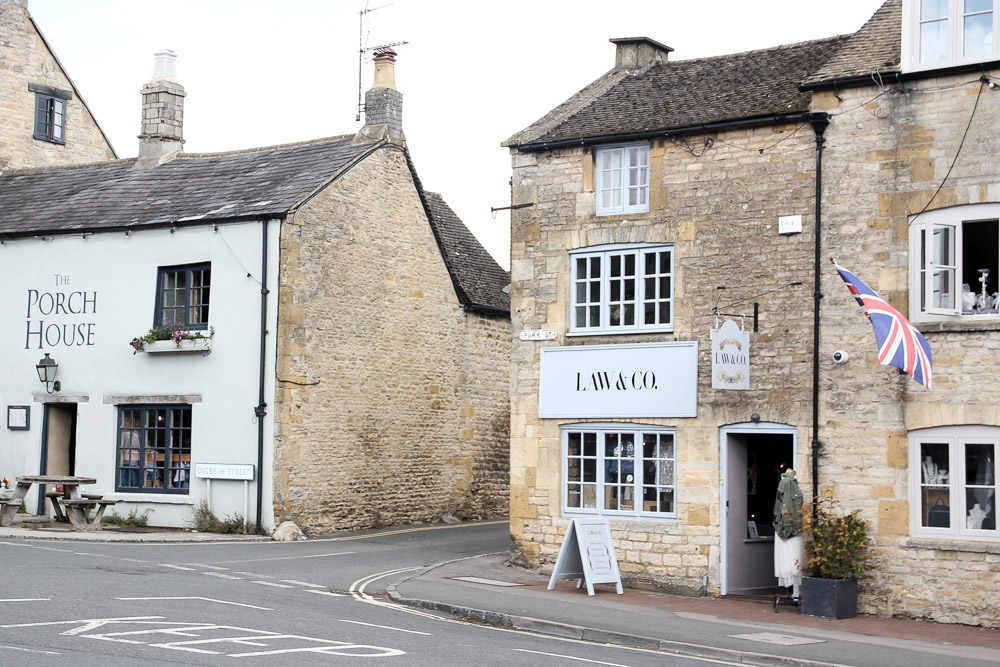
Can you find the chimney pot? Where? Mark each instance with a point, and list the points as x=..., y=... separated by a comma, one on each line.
x=165, y=66
x=162, y=134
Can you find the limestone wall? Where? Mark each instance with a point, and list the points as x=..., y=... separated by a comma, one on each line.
x=720, y=209
x=392, y=404
x=24, y=60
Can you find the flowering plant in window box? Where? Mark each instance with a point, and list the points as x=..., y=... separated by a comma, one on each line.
x=5, y=491
x=172, y=337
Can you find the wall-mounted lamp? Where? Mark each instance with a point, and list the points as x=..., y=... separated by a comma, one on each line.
x=755, y=418
x=47, y=369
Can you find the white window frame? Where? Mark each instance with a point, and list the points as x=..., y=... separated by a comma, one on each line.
x=630, y=177
x=604, y=256
x=638, y=431
x=955, y=34
x=924, y=270
x=956, y=438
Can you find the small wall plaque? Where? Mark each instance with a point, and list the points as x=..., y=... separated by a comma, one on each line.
x=538, y=334
x=18, y=417
x=790, y=224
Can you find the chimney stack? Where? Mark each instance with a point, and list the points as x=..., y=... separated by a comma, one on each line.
x=637, y=53
x=383, y=103
x=162, y=134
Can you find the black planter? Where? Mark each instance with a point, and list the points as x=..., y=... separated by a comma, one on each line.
x=829, y=598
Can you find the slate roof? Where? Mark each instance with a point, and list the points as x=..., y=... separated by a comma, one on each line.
x=480, y=277
x=686, y=93
x=199, y=189
x=869, y=51
x=191, y=187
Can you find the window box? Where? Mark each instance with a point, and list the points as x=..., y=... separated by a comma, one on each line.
x=203, y=345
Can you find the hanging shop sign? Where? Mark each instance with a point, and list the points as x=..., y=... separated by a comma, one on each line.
x=730, y=356
x=633, y=380
x=587, y=555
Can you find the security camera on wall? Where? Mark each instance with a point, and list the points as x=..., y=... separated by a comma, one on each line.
x=840, y=357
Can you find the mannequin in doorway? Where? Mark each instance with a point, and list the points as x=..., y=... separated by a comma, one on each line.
x=788, y=539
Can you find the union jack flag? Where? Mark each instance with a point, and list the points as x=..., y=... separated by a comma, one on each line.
x=899, y=343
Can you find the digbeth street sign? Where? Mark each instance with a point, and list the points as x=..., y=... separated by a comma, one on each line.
x=632, y=380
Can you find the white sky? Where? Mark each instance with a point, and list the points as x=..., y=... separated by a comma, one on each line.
x=265, y=72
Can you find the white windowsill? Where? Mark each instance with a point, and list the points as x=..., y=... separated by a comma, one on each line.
x=187, y=345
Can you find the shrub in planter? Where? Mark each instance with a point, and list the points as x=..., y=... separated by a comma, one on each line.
x=836, y=554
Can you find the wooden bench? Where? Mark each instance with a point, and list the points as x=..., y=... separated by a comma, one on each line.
x=54, y=496
x=85, y=505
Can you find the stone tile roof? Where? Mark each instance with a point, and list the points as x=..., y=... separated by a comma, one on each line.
x=191, y=187
x=475, y=270
x=867, y=52
x=194, y=188
x=686, y=93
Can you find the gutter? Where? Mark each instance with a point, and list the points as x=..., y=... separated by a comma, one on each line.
x=898, y=77
x=742, y=123
x=261, y=410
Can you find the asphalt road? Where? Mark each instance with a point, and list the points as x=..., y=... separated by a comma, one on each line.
x=317, y=602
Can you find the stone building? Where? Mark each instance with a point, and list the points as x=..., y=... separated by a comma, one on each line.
x=45, y=121
x=358, y=333
x=670, y=196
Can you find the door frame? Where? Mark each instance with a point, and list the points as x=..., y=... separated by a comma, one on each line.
x=745, y=428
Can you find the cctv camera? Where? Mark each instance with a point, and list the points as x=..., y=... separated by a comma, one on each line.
x=840, y=357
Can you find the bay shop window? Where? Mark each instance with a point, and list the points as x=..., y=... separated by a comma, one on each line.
x=953, y=482
x=627, y=470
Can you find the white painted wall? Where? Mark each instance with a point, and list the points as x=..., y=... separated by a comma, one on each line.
x=99, y=364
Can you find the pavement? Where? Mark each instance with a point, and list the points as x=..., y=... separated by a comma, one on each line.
x=488, y=589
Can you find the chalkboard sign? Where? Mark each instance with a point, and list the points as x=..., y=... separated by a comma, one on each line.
x=587, y=554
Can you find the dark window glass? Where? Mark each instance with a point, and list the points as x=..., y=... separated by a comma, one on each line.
x=154, y=449
x=183, y=296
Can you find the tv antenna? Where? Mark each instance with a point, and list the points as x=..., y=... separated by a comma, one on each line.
x=362, y=49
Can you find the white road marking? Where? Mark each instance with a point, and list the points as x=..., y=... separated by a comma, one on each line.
x=386, y=627
x=781, y=640
x=271, y=583
x=302, y=583
x=221, y=575
x=29, y=650
x=86, y=620
x=259, y=576
x=178, y=567
x=194, y=597
x=488, y=582
x=330, y=593
x=571, y=657
x=264, y=560
x=25, y=600
x=209, y=567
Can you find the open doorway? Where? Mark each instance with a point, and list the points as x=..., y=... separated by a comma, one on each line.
x=58, y=445
x=752, y=459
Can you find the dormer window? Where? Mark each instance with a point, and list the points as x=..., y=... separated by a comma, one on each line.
x=943, y=33
x=623, y=179
x=50, y=113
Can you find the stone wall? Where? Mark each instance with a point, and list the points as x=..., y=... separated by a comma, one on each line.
x=887, y=152
x=392, y=405
x=884, y=162
x=720, y=209
x=25, y=59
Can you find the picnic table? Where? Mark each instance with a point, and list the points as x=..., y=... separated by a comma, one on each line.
x=69, y=504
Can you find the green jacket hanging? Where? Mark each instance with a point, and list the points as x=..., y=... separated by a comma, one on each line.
x=788, y=508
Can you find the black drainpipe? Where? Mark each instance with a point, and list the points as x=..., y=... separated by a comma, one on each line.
x=819, y=121
x=261, y=410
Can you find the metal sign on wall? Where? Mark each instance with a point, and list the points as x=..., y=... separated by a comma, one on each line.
x=633, y=380
x=730, y=357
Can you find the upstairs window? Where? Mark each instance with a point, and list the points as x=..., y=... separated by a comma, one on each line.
x=623, y=179
x=955, y=263
x=622, y=289
x=940, y=33
x=183, y=295
x=50, y=118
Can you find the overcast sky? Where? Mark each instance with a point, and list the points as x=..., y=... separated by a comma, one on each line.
x=265, y=72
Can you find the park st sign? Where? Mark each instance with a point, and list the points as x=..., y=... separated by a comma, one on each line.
x=634, y=380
